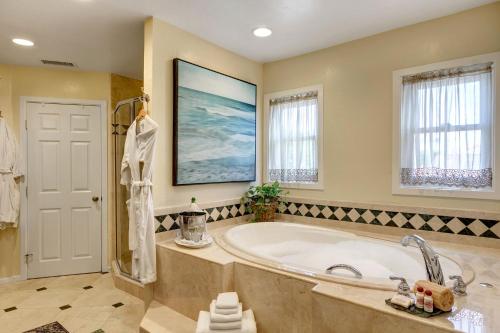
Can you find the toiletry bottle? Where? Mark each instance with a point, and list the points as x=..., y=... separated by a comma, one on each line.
x=428, y=302
x=419, y=295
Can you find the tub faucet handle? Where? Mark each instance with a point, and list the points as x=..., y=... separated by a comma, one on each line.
x=459, y=287
x=403, y=287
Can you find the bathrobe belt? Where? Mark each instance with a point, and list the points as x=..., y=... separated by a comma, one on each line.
x=5, y=171
x=135, y=228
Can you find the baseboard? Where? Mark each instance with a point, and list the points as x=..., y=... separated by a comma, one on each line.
x=10, y=279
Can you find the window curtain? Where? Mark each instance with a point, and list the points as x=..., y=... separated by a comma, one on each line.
x=446, y=128
x=293, y=139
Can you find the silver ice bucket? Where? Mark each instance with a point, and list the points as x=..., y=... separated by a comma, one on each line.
x=193, y=225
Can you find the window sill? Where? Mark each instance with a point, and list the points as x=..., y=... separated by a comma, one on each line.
x=303, y=186
x=488, y=194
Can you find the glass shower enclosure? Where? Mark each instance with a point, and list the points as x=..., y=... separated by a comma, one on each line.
x=123, y=116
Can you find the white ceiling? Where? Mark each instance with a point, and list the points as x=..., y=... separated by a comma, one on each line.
x=107, y=35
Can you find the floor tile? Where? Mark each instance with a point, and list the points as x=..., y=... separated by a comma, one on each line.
x=14, y=298
x=84, y=319
x=26, y=319
x=51, y=298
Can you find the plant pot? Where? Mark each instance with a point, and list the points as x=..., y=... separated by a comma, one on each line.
x=266, y=212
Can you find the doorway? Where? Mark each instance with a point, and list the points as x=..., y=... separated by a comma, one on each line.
x=64, y=210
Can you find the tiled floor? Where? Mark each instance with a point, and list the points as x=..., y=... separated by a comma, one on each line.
x=81, y=303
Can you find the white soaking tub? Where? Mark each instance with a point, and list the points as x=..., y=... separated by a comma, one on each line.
x=310, y=250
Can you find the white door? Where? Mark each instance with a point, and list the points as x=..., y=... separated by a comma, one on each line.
x=64, y=189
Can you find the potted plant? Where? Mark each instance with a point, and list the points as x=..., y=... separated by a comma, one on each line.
x=263, y=201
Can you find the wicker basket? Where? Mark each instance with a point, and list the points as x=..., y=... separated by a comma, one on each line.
x=265, y=212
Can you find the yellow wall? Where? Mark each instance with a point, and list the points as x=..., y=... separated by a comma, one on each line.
x=357, y=82
x=20, y=81
x=163, y=43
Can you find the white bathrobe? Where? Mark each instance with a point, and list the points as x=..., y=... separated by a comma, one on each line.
x=10, y=168
x=140, y=147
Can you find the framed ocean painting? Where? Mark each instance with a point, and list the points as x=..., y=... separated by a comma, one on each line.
x=214, y=126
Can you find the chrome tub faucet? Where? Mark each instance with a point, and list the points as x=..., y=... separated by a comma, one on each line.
x=431, y=258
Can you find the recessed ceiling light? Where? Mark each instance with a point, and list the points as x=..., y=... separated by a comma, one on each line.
x=262, y=32
x=23, y=42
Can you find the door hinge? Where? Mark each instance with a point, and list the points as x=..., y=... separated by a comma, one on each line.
x=28, y=257
x=26, y=191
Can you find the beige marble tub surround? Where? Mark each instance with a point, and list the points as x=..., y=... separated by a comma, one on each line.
x=280, y=303
x=162, y=319
x=131, y=286
x=250, y=280
x=187, y=283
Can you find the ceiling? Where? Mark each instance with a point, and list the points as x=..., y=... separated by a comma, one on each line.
x=107, y=35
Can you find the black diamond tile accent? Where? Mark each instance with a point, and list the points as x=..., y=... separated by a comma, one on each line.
x=160, y=218
x=320, y=216
x=210, y=219
x=360, y=211
x=65, y=307
x=466, y=231
x=445, y=229
x=320, y=207
x=332, y=217
x=446, y=219
x=12, y=308
x=375, y=212
x=41, y=289
x=408, y=216
x=466, y=220
x=332, y=208
x=407, y=225
x=309, y=206
x=160, y=229
x=426, y=227
x=391, y=214
x=220, y=217
x=360, y=220
x=391, y=223
x=489, y=234
x=346, y=219
x=426, y=217
x=174, y=226
x=297, y=213
x=376, y=222
x=117, y=305
x=489, y=223
x=308, y=214
x=88, y=287
x=174, y=216
x=209, y=210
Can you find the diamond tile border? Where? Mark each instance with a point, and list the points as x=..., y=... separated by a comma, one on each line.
x=169, y=222
x=398, y=219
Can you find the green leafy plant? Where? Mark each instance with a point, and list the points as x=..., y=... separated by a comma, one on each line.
x=263, y=201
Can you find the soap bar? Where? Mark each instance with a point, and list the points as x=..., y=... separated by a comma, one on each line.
x=401, y=300
x=442, y=296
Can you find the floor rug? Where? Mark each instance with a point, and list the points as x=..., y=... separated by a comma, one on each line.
x=54, y=327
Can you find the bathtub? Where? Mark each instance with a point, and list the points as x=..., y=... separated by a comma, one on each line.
x=310, y=250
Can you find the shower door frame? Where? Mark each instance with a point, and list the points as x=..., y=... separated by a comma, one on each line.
x=23, y=146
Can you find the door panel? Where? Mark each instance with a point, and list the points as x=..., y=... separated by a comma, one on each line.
x=64, y=173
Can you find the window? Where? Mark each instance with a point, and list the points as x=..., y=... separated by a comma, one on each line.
x=446, y=129
x=294, y=137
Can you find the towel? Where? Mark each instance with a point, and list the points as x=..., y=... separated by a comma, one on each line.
x=224, y=318
x=227, y=311
x=247, y=324
x=231, y=325
x=227, y=300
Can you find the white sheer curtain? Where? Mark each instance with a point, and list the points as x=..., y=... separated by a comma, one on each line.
x=293, y=139
x=446, y=128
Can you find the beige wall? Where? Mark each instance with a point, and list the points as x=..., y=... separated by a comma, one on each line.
x=17, y=81
x=163, y=43
x=357, y=82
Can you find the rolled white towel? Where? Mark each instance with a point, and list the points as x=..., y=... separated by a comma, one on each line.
x=224, y=318
x=247, y=324
x=227, y=300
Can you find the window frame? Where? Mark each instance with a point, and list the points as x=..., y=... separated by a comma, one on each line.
x=267, y=98
x=492, y=193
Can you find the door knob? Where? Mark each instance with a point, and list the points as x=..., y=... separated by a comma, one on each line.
x=95, y=199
